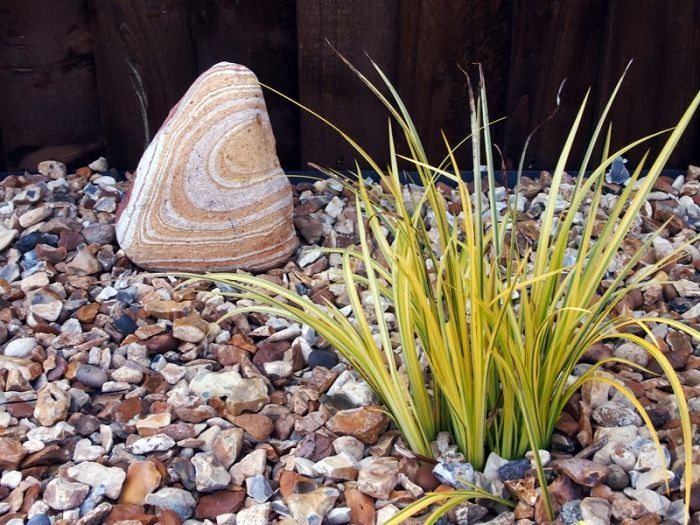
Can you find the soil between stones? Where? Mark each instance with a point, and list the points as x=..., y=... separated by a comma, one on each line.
x=123, y=401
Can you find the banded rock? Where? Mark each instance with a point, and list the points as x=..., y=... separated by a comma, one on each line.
x=209, y=193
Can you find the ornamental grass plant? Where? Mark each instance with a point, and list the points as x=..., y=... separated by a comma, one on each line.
x=488, y=333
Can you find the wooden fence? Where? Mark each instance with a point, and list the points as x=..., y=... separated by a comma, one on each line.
x=79, y=78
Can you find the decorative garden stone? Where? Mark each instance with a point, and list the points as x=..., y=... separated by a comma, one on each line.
x=209, y=193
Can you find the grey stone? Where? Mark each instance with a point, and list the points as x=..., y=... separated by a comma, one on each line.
x=178, y=500
x=258, y=488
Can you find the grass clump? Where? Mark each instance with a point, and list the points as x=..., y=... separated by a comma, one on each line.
x=489, y=332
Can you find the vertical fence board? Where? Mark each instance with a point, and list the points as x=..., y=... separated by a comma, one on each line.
x=3, y=164
x=439, y=39
x=663, y=39
x=262, y=36
x=329, y=87
x=146, y=59
x=146, y=53
x=552, y=41
x=48, y=100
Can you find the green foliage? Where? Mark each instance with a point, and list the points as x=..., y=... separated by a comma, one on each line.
x=489, y=335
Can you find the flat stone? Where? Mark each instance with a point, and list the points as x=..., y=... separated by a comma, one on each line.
x=21, y=347
x=156, y=443
x=61, y=494
x=90, y=375
x=378, y=476
x=242, y=394
x=612, y=414
x=34, y=216
x=94, y=474
x=596, y=511
x=11, y=453
x=99, y=233
x=258, y=514
x=625, y=508
x=515, y=469
x=583, y=471
x=312, y=507
x=171, y=498
x=258, y=426
x=339, y=467
x=6, y=237
x=361, y=506
x=220, y=502
x=86, y=451
x=191, y=329
x=365, y=423
x=52, y=168
x=223, y=160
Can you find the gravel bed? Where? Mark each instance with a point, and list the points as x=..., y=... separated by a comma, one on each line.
x=123, y=401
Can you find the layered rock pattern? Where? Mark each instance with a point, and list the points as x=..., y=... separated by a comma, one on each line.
x=209, y=193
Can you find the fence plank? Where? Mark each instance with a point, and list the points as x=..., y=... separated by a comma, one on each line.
x=48, y=99
x=262, y=36
x=145, y=61
x=663, y=39
x=3, y=164
x=438, y=39
x=327, y=86
x=552, y=41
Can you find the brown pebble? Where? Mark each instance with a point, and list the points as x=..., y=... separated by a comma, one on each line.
x=425, y=478
x=259, y=427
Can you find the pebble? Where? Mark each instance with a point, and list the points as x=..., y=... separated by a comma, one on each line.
x=515, y=469
x=570, y=512
x=125, y=324
x=313, y=506
x=612, y=414
x=91, y=376
x=250, y=465
x=52, y=405
x=596, y=511
x=258, y=488
x=258, y=514
x=84, y=263
x=32, y=217
x=209, y=474
x=61, y=494
x=146, y=445
x=377, y=477
x=178, y=500
x=365, y=423
x=322, y=357
x=21, y=347
x=95, y=474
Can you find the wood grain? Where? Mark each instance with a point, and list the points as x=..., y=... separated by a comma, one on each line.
x=439, y=39
x=48, y=100
x=139, y=57
x=552, y=41
x=146, y=60
x=329, y=87
x=262, y=36
x=663, y=39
